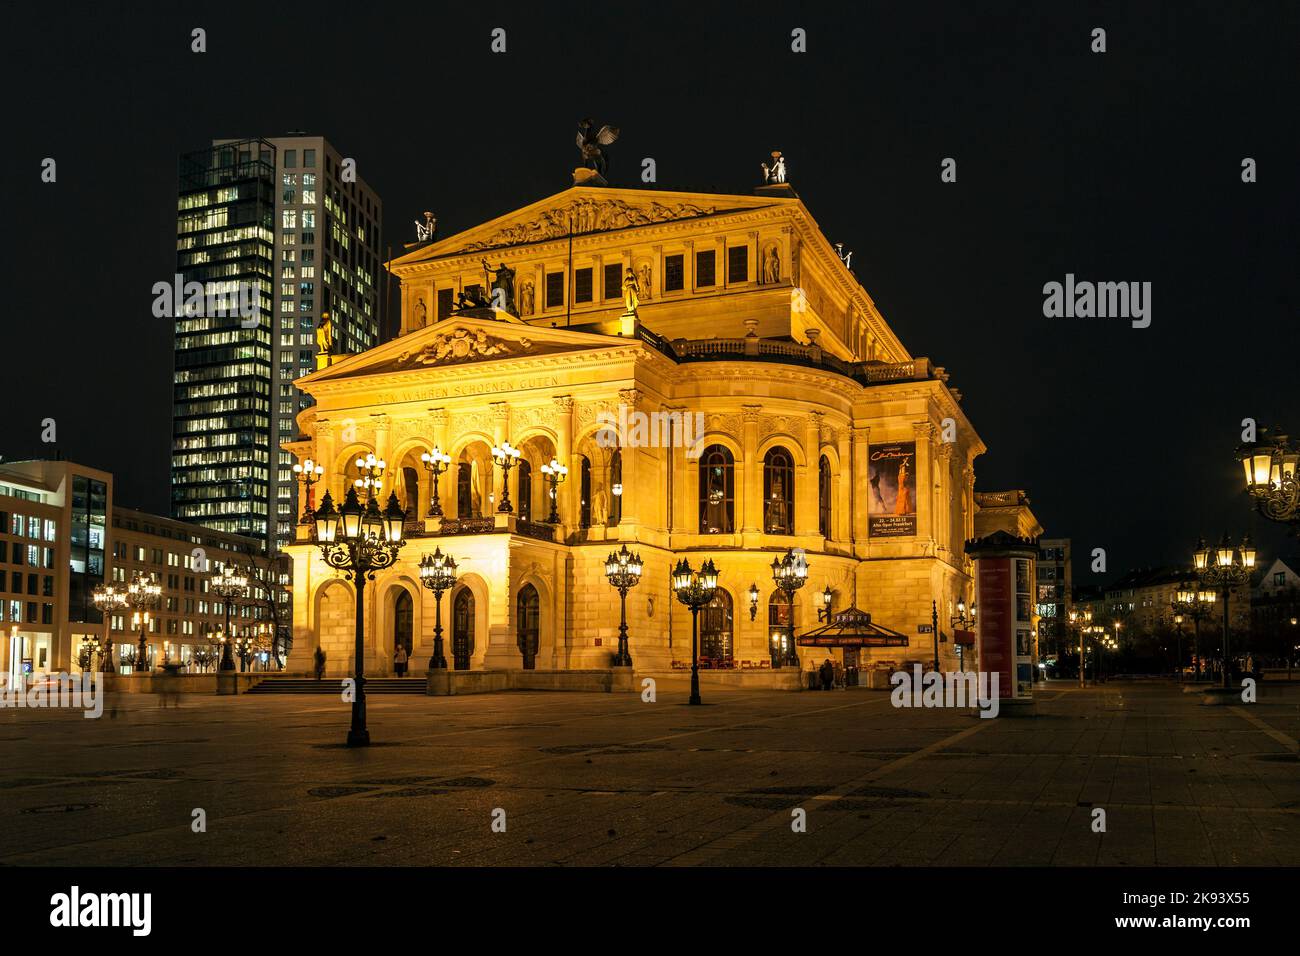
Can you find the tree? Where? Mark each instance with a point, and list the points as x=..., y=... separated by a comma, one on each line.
x=269, y=589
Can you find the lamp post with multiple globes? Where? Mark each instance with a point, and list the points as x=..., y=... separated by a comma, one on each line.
x=436, y=464
x=1081, y=621
x=230, y=584
x=964, y=622
x=358, y=540
x=1195, y=604
x=789, y=573
x=1222, y=569
x=142, y=594
x=437, y=573
x=371, y=470
x=554, y=473
x=308, y=473
x=108, y=598
x=505, y=456
x=623, y=570
x=695, y=589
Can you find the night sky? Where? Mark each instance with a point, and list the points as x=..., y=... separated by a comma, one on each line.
x=1123, y=166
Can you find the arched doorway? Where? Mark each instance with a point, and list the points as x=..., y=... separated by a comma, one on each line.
x=528, y=625
x=403, y=622
x=462, y=629
x=716, y=645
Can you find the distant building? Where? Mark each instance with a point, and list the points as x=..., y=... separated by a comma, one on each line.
x=1055, y=585
x=278, y=214
x=1275, y=609
x=62, y=535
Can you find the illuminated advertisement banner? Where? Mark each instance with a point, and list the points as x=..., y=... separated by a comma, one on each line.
x=891, y=469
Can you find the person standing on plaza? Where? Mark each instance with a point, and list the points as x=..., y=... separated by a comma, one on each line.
x=320, y=662
x=399, y=660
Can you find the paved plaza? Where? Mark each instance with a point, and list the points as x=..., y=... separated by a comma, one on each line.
x=606, y=779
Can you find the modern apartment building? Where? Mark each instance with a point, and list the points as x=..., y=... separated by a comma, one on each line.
x=289, y=217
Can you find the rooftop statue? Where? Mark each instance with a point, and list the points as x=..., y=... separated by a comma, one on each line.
x=424, y=230
x=776, y=172
x=590, y=141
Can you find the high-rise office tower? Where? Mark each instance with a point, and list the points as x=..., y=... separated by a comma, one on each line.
x=289, y=217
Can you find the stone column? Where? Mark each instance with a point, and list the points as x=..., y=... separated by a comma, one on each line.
x=751, y=497
x=844, y=503
x=861, y=488
x=632, y=490
x=807, y=498
x=447, y=480
x=324, y=452
x=500, y=433
x=943, y=489
x=925, y=517
x=564, y=455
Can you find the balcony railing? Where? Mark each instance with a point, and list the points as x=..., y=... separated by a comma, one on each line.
x=753, y=348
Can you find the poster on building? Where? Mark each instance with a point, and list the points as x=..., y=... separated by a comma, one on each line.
x=891, y=470
x=996, y=627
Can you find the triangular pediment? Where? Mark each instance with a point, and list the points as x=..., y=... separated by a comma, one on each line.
x=583, y=210
x=456, y=342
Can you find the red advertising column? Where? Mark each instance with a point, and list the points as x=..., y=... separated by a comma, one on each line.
x=1004, y=574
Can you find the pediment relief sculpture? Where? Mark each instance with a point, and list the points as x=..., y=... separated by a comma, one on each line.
x=462, y=345
x=590, y=215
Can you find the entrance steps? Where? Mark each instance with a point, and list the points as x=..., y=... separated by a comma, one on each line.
x=331, y=685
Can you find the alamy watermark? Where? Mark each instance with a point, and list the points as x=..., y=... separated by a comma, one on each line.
x=958, y=689
x=84, y=691
x=220, y=300
x=636, y=429
x=1098, y=300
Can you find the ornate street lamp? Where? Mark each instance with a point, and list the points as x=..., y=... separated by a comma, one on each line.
x=623, y=569
x=437, y=573
x=229, y=584
x=1272, y=467
x=1222, y=569
x=961, y=620
x=753, y=601
x=789, y=573
x=1081, y=621
x=1189, y=602
x=695, y=589
x=435, y=463
x=505, y=456
x=371, y=470
x=142, y=594
x=243, y=646
x=108, y=598
x=359, y=541
x=825, y=599
x=554, y=473
x=308, y=473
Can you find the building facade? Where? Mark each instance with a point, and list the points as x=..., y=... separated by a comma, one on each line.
x=62, y=535
x=1055, y=585
x=288, y=217
x=718, y=385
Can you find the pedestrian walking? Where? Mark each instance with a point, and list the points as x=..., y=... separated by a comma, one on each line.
x=827, y=674
x=320, y=662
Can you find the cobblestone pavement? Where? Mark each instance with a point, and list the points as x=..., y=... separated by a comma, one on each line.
x=599, y=779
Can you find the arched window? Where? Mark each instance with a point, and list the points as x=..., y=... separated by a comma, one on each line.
x=717, y=490
x=524, y=490
x=715, y=631
x=464, y=494
x=584, y=510
x=824, y=497
x=778, y=492
x=462, y=629
x=780, y=624
x=403, y=620
x=528, y=625
x=615, y=486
